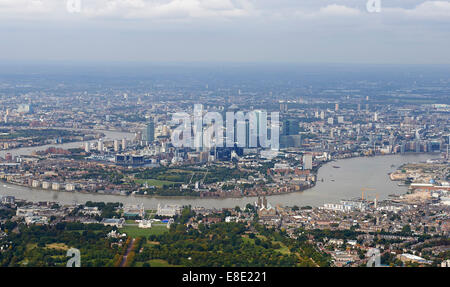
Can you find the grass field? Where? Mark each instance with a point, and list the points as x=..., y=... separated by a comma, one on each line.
x=160, y=263
x=284, y=249
x=135, y=231
x=60, y=246
x=156, y=263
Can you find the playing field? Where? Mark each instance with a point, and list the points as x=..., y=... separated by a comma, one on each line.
x=135, y=231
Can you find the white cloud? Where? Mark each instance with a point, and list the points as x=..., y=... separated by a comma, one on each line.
x=430, y=10
x=220, y=30
x=26, y=7
x=126, y=9
x=221, y=9
x=185, y=9
x=339, y=10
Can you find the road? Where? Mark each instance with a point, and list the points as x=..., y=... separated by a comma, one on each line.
x=130, y=247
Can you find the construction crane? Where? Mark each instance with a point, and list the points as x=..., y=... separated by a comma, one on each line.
x=193, y=173
x=206, y=173
x=365, y=189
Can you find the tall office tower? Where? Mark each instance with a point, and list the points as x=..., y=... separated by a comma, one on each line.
x=307, y=161
x=291, y=127
x=448, y=145
x=322, y=115
x=197, y=127
x=417, y=146
x=290, y=134
x=124, y=144
x=116, y=145
x=403, y=148
x=87, y=147
x=375, y=117
x=336, y=107
x=100, y=145
x=247, y=134
x=359, y=107
x=149, y=131
x=6, y=116
x=259, y=123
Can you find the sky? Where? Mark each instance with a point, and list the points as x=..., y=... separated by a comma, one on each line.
x=273, y=31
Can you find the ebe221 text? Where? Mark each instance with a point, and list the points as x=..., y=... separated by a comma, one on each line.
x=229, y=276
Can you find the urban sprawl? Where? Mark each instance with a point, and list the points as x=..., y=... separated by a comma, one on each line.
x=120, y=142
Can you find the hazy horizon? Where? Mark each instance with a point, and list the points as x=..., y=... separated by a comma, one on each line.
x=227, y=31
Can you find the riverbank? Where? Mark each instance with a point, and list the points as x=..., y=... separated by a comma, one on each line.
x=285, y=190
x=107, y=135
x=353, y=175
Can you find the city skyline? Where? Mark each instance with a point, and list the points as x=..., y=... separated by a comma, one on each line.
x=224, y=133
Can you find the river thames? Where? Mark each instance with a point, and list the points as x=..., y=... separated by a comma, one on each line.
x=345, y=182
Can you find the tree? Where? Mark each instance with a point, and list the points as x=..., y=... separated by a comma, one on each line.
x=406, y=229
